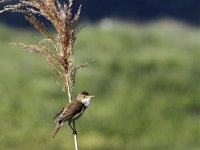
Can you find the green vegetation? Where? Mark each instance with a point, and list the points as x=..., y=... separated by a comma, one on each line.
x=146, y=79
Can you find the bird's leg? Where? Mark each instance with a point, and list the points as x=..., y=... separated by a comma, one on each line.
x=70, y=125
x=73, y=129
x=74, y=126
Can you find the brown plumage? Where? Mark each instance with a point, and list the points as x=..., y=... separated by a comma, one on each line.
x=72, y=111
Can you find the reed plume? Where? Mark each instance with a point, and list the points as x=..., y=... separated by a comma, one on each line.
x=60, y=55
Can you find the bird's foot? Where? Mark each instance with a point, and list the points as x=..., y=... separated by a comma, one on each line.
x=74, y=132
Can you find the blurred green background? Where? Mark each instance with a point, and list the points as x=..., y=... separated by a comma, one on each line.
x=146, y=79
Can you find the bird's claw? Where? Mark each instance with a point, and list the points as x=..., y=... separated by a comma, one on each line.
x=74, y=132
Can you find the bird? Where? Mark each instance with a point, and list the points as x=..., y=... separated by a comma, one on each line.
x=72, y=112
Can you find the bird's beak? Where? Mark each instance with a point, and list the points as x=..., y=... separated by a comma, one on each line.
x=91, y=96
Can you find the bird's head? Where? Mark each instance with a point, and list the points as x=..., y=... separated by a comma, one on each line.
x=84, y=98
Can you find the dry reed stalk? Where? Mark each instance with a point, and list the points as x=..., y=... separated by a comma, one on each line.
x=64, y=22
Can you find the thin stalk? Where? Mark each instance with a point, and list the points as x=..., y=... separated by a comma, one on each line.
x=75, y=137
x=68, y=89
x=74, y=125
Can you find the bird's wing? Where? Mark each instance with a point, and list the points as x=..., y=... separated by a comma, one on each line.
x=70, y=110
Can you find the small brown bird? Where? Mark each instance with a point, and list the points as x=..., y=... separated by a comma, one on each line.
x=72, y=111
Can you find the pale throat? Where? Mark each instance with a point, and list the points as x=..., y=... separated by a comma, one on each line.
x=86, y=102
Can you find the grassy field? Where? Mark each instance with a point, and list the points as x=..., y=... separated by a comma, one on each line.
x=146, y=79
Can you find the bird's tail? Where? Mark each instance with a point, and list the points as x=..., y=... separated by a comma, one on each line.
x=56, y=129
